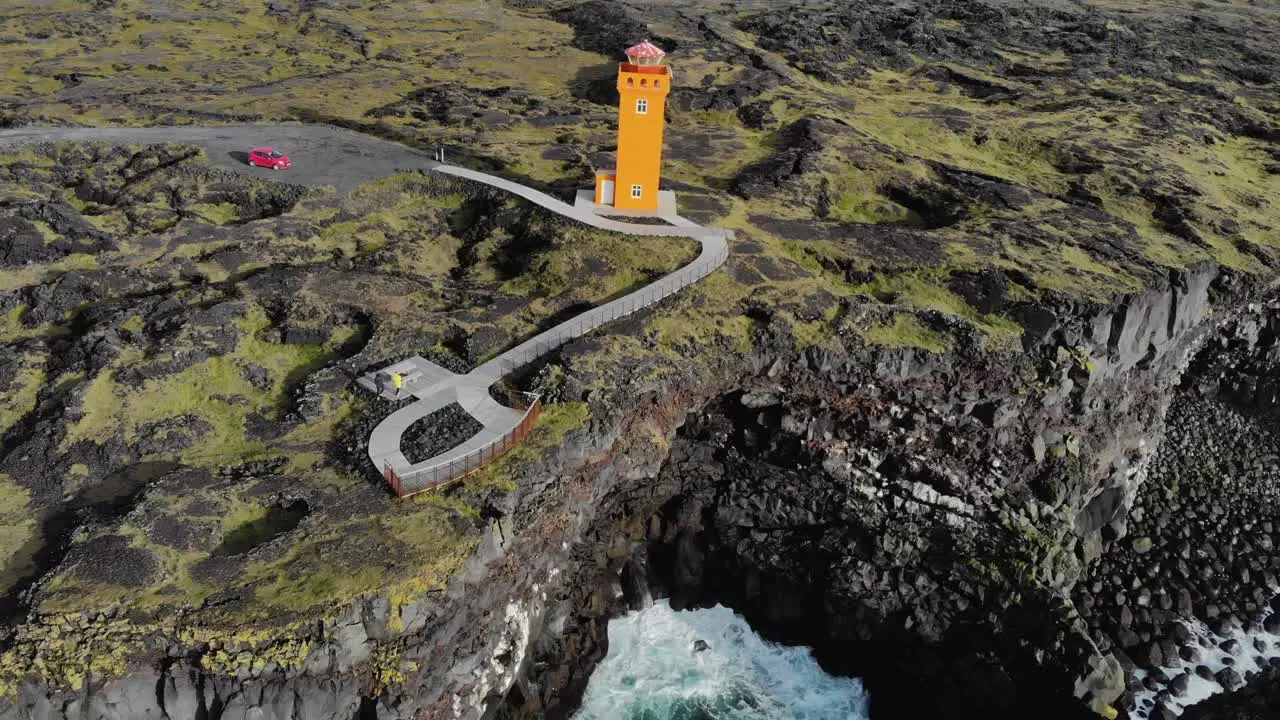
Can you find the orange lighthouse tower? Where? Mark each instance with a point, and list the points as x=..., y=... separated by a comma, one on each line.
x=643, y=84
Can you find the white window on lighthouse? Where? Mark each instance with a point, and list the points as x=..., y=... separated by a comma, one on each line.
x=642, y=106
x=635, y=192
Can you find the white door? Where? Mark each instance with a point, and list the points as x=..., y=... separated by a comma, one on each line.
x=606, y=192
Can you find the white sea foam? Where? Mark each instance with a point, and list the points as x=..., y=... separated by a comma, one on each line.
x=1246, y=658
x=652, y=672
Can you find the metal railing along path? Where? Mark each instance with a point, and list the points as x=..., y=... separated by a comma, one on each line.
x=714, y=252
x=596, y=317
x=445, y=472
x=583, y=215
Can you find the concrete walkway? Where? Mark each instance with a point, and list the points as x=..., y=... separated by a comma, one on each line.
x=421, y=376
x=585, y=215
x=384, y=442
x=471, y=390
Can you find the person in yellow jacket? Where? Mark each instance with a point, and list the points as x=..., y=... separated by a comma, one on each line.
x=398, y=381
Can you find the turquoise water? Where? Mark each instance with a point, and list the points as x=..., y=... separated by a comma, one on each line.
x=653, y=673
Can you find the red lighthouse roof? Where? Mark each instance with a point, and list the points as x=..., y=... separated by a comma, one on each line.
x=645, y=51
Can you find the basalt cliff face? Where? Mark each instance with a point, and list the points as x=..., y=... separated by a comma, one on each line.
x=973, y=408
x=924, y=521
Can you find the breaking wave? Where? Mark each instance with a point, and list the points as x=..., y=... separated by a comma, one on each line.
x=655, y=670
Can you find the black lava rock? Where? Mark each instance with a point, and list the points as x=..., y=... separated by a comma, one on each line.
x=1178, y=686
x=1229, y=679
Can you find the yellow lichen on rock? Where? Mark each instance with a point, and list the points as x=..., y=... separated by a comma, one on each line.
x=18, y=530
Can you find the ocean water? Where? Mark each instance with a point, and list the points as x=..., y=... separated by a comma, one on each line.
x=652, y=672
x=1247, y=651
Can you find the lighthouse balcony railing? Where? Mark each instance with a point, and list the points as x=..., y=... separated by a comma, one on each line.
x=627, y=67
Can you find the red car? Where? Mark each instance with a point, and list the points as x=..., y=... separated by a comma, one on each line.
x=268, y=157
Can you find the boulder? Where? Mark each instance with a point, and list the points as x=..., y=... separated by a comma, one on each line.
x=1178, y=686
x=1154, y=655
x=1229, y=679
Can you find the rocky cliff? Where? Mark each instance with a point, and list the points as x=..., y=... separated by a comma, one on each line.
x=980, y=407
x=923, y=521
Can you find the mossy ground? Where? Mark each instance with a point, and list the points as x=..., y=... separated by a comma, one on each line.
x=401, y=266
x=555, y=421
x=201, y=379
x=18, y=528
x=351, y=64
x=215, y=390
x=906, y=331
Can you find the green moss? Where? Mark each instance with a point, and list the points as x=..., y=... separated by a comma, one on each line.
x=861, y=199
x=200, y=390
x=623, y=263
x=861, y=206
x=19, y=529
x=906, y=332
x=677, y=333
x=423, y=537
x=320, y=584
x=10, y=192
x=435, y=552
x=428, y=539
x=25, y=156
x=394, y=213
x=717, y=118
x=1059, y=264
x=1227, y=178
x=56, y=655
x=242, y=514
x=24, y=388
x=901, y=115
x=134, y=324
x=814, y=334
x=219, y=213
x=446, y=502
x=47, y=232
x=17, y=277
x=920, y=290
x=555, y=421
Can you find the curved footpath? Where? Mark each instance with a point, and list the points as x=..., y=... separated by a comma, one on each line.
x=471, y=391
x=324, y=155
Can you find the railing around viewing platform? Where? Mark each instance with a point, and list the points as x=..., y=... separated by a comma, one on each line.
x=445, y=472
